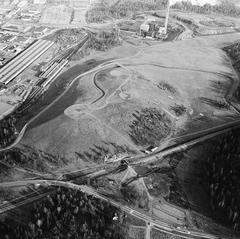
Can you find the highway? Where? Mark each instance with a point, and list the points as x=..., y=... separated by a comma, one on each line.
x=157, y=224
x=21, y=201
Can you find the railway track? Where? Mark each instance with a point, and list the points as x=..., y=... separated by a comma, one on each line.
x=24, y=200
x=22, y=61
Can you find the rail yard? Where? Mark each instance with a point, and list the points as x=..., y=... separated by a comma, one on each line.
x=22, y=61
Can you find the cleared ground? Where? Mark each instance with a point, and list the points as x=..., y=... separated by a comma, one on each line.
x=97, y=113
x=57, y=15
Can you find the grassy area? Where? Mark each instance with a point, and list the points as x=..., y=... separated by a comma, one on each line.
x=98, y=153
x=187, y=21
x=31, y=158
x=132, y=26
x=133, y=115
x=155, y=234
x=215, y=23
x=136, y=233
x=133, y=197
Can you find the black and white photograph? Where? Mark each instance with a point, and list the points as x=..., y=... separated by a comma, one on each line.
x=119, y=119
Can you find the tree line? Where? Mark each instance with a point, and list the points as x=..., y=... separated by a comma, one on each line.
x=103, y=40
x=149, y=127
x=233, y=51
x=225, y=7
x=67, y=214
x=105, y=10
x=223, y=178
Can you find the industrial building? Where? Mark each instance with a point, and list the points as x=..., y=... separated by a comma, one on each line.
x=23, y=60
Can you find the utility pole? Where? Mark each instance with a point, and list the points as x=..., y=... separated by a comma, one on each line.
x=167, y=17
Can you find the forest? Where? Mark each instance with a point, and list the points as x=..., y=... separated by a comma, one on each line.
x=233, y=51
x=67, y=214
x=103, y=40
x=105, y=10
x=7, y=131
x=223, y=178
x=224, y=7
x=149, y=127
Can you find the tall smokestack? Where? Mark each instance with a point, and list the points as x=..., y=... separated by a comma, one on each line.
x=167, y=16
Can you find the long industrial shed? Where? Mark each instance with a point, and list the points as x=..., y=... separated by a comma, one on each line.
x=23, y=60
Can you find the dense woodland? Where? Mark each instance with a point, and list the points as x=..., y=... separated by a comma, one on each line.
x=223, y=166
x=149, y=127
x=226, y=7
x=7, y=131
x=8, y=125
x=104, y=10
x=103, y=40
x=223, y=177
x=67, y=214
x=233, y=52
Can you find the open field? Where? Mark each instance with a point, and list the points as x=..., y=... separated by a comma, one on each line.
x=101, y=110
x=57, y=15
x=155, y=234
x=81, y=134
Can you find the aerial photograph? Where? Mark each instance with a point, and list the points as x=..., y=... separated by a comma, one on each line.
x=119, y=119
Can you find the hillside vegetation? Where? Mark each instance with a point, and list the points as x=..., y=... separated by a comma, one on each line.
x=233, y=52
x=104, y=10
x=66, y=214
x=149, y=127
x=226, y=7
x=223, y=178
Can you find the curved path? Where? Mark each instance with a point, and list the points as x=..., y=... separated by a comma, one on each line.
x=103, y=93
x=96, y=69
x=22, y=132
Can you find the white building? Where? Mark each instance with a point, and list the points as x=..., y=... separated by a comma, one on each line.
x=39, y=1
